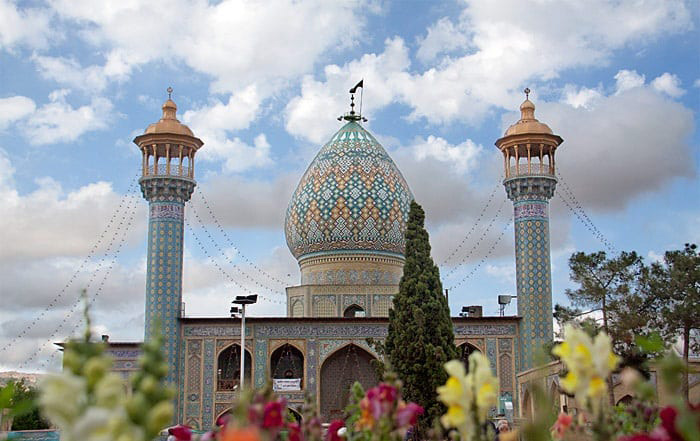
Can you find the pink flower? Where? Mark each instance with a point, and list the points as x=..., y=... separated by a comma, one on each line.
x=181, y=432
x=294, y=432
x=381, y=399
x=407, y=414
x=273, y=416
x=333, y=428
x=223, y=420
x=561, y=425
x=208, y=436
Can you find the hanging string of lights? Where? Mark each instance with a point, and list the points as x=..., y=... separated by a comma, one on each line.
x=576, y=208
x=122, y=231
x=478, y=242
x=271, y=277
x=229, y=259
x=224, y=272
x=474, y=225
x=100, y=240
x=489, y=252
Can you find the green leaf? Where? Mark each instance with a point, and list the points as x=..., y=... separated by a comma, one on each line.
x=651, y=344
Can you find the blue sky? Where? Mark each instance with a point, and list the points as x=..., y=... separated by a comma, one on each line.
x=262, y=83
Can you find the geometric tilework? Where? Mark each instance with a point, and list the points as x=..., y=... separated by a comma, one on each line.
x=532, y=263
x=352, y=197
x=164, y=280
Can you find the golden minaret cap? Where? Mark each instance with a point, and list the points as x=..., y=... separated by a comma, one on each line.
x=528, y=123
x=169, y=122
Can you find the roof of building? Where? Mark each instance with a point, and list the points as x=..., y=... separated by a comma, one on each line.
x=351, y=198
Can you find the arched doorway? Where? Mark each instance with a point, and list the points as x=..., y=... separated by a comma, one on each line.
x=354, y=311
x=287, y=368
x=338, y=373
x=626, y=400
x=228, y=371
x=465, y=350
x=527, y=405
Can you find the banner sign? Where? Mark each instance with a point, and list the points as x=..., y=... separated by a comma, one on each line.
x=286, y=384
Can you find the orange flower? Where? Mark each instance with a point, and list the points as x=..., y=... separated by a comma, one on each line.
x=366, y=420
x=240, y=434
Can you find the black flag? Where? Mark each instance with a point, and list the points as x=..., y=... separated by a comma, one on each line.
x=360, y=84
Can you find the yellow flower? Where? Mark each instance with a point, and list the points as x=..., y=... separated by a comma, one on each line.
x=589, y=362
x=468, y=397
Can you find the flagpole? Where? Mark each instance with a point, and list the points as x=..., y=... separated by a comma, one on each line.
x=362, y=92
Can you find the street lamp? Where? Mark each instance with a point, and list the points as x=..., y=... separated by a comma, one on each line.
x=244, y=300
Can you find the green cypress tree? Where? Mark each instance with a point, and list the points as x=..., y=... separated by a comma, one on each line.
x=420, y=338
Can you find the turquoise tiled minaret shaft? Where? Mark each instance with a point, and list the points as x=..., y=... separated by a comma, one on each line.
x=167, y=182
x=530, y=182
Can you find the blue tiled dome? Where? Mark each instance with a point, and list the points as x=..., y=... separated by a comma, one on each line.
x=352, y=198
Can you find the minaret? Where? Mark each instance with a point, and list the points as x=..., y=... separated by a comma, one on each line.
x=528, y=157
x=167, y=182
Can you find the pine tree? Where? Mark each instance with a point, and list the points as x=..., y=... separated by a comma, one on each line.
x=420, y=338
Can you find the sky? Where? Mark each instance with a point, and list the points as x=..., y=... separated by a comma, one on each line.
x=262, y=83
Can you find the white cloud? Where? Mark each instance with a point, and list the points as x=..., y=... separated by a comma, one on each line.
x=580, y=97
x=69, y=72
x=462, y=156
x=58, y=121
x=28, y=27
x=669, y=84
x=442, y=37
x=50, y=222
x=504, y=46
x=215, y=122
x=308, y=115
x=236, y=43
x=15, y=108
x=628, y=79
x=611, y=153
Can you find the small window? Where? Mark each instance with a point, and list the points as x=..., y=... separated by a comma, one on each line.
x=354, y=311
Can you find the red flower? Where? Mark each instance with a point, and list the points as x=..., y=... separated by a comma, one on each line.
x=668, y=422
x=407, y=414
x=333, y=428
x=181, y=433
x=272, y=415
x=294, y=432
x=561, y=425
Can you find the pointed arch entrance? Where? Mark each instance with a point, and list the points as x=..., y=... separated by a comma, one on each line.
x=228, y=371
x=465, y=350
x=338, y=373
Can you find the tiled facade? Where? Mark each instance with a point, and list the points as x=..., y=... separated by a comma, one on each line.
x=318, y=340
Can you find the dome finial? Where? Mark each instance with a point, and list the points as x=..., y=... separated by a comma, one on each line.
x=352, y=115
x=170, y=92
x=527, y=93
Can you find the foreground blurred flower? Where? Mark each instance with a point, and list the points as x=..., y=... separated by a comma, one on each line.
x=333, y=429
x=561, y=425
x=240, y=434
x=468, y=397
x=407, y=414
x=181, y=432
x=589, y=362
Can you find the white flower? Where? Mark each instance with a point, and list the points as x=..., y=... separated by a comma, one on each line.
x=63, y=398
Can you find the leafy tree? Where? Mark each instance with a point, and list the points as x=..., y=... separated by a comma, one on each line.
x=25, y=395
x=676, y=285
x=618, y=288
x=420, y=337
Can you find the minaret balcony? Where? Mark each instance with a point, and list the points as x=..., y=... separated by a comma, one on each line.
x=162, y=170
x=526, y=170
